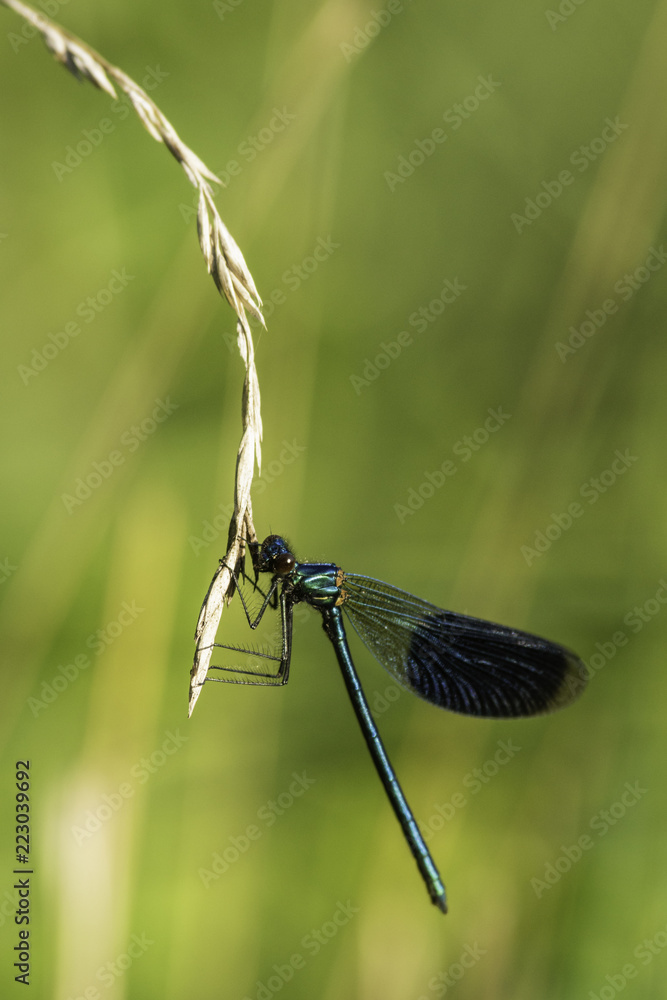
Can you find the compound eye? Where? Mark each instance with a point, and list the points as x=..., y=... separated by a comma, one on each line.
x=284, y=563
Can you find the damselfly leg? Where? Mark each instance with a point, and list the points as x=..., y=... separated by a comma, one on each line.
x=252, y=672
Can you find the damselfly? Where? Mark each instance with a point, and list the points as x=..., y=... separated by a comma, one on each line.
x=463, y=664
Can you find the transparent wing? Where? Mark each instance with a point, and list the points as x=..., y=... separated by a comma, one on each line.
x=464, y=664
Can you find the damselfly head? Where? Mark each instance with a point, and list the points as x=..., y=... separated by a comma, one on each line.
x=275, y=557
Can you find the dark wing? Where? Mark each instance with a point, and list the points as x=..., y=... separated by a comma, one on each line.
x=464, y=664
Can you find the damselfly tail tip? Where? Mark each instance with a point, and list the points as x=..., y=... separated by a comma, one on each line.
x=441, y=902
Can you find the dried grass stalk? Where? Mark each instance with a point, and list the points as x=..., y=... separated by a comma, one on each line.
x=230, y=273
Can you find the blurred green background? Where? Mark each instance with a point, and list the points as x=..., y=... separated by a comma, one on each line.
x=162, y=869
